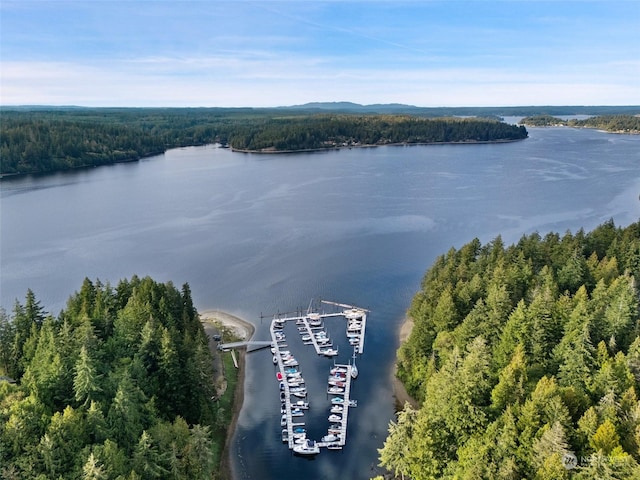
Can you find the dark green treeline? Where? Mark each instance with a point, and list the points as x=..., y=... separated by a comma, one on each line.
x=34, y=141
x=119, y=385
x=524, y=358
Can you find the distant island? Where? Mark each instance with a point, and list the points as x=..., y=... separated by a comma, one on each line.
x=39, y=139
x=611, y=123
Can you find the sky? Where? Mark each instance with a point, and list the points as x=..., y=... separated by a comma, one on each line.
x=210, y=53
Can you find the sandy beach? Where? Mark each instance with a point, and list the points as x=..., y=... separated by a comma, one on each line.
x=399, y=392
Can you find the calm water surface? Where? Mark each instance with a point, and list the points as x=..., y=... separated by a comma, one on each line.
x=258, y=234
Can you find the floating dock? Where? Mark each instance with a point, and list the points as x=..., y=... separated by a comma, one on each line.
x=311, y=327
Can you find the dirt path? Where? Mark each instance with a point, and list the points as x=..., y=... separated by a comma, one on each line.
x=243, y=330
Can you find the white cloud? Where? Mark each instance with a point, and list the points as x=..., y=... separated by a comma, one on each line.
x=260, y=78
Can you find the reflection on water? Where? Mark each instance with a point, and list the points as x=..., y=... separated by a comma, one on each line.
x=259, y=234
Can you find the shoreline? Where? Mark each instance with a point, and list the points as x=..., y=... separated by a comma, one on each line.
x=243, y=330
x=273, y=151
x=399, y=392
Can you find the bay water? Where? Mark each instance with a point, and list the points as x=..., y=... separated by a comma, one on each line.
x=255, y=235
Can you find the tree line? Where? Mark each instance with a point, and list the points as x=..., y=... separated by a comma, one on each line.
x=36, y=141
x=525, y=361
x=119, y=385
x=610, y=123
x=330, y=131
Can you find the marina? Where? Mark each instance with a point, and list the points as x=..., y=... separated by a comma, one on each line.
x=292, y=385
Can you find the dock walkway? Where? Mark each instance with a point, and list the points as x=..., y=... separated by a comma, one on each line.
x=355, y=317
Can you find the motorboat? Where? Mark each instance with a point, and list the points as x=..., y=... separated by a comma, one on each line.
x=337, y=409
x=353, y=403
x=353, y=313
x=354, y=368
x=334, y=417
x=283, y=420
x=329, y=352
x=299, y=394
x=336, y=382
x=334, y=446
x=310, y=447
x=338, y=369
x=301, y=404
x=279, y=376
x=299, y=429
x=335, y=389
x=337, y=400
x=275, y=359
x=296, y=412
x=330, y=438
x=285, y=436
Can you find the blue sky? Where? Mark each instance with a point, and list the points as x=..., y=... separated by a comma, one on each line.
x=272, y=53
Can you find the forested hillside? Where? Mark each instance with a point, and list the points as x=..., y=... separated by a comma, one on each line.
x=330, y=131
x=610, y=123
x=521, y=357
x=119, y=385
x=34, y=141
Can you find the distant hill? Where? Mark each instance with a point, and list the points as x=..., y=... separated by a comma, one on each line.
x=468, y=111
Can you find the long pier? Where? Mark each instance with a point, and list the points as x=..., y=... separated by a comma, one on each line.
x=355, y=329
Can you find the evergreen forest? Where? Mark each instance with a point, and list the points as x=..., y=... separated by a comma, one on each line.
x=524, y=361
x=36, y=141
x=610, y=123
x=120, y=385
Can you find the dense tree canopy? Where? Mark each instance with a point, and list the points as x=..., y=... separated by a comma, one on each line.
x=119, y=385
x=610, y=123
x=33, y=141
x=522, y=357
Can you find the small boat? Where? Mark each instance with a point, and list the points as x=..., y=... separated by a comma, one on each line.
x=337, y=409
x=353, y=403
x=310, y=447
x=334, y=418
x=334, y=446
x=283, y=420
x=354, y=369
x=337, y=400
x=285, y=436
x=279, y=376
x=299, y=430
x=297, y=412
x=330, y=438
x=353, y=313
x=329, y=352
x=275, y=359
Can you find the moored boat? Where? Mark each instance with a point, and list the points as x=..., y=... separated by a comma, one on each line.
x=310, y=447
x=330, y=438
